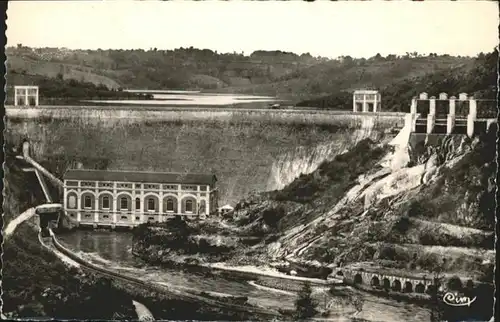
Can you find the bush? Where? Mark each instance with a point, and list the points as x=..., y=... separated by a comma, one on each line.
x=388, y=252
x=272, y=216
x=402, y=225
x=454, y=284
x=305, y=306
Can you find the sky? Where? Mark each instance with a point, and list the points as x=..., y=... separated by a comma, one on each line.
x=322, y=28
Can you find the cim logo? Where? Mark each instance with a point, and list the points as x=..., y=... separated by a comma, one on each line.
x=456, y=300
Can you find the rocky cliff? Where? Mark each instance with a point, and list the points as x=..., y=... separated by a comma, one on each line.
x=409, y=206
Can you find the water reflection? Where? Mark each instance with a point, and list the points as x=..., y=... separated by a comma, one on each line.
x=182, y=99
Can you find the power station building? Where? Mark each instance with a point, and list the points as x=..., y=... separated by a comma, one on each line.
x=129, y=198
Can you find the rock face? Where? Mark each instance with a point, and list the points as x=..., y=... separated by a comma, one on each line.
x=408, y=207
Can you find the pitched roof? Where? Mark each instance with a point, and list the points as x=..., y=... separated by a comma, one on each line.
x=140, y=176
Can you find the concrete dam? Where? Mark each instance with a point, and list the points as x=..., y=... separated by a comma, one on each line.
x=248, y=150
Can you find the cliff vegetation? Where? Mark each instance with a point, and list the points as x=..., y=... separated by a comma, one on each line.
x=390, y=208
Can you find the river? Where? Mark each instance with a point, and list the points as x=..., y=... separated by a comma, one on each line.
x=114, y=250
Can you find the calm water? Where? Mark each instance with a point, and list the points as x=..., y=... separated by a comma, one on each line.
x=186, y=98
x=114, y=250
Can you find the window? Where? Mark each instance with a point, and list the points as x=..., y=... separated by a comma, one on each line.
x=170, y=205
x=105, y=202
x=189, y=206
x=151, y=204
x=87, y=202
x=202, y=206
x=87, y=215
x=123, y=203
x=137, y=203
x=137, y=218
x=124, y=217
x=72, y=202
x=105, y=216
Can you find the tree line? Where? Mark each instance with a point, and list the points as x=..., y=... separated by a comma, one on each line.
x=479, y=81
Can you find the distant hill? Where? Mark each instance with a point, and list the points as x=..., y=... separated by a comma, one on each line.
x=30, y=66
x=477, y=77
x=57, y=91
x=301, y=78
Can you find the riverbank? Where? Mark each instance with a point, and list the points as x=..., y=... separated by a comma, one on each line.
x=244, y=273
x=100, y=248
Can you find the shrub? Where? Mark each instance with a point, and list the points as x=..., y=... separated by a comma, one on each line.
x=454, y=283
x=305, y=306
x=402, y=225
x=272, y=216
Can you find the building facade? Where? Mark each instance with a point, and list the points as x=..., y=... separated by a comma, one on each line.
x=26, y=95
x=366, y=101
x=129, y=198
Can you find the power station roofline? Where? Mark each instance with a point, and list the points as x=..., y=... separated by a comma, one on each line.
x=140, y=176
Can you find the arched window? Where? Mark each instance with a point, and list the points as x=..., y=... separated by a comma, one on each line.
x=123, y=203
x=137, y=204
x=189, y=206
x=87, y=202
x=72, y=202
x=170, y=205
x=151, y=204
x=105, y=202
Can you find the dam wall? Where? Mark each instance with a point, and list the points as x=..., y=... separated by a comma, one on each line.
x=126, y=114
x=248, y=150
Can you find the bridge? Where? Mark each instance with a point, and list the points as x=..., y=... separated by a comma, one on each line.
x=387, y=282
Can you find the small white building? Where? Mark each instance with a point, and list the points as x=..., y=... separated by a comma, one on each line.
x=225, y=209
x=26, y=95
x=366, y=101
